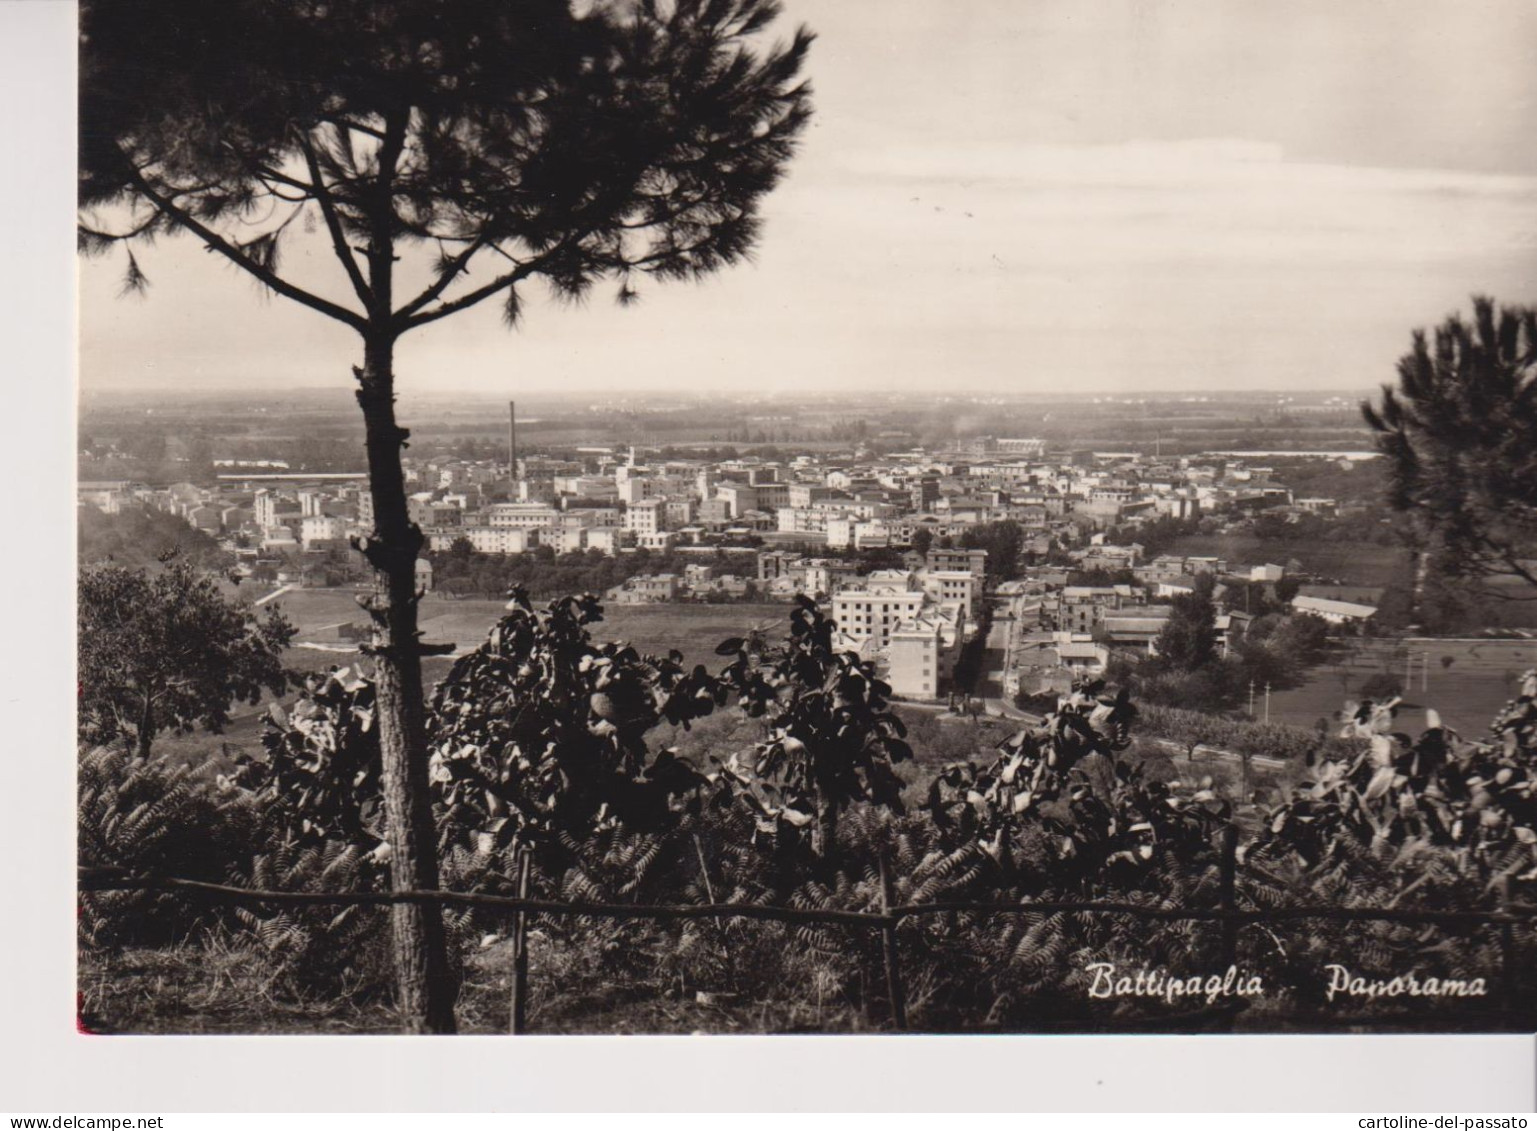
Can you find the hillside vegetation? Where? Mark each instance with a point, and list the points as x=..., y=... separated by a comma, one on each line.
x=140, y=536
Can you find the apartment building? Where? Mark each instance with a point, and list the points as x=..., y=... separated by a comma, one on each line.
x=914, y=665
x=828, y=575
x=486, y=539
x=646, y=516
x=958, y=587
x=871, y=616
x=520, y=516
x=319, y=531
x=973, y=562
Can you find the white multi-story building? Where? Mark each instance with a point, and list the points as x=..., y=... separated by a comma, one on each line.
x=645, y=589
x=279, y=538
x=973, y=562
x=264, y=506
x=318, y=529
x=657, y=540
x=634, y=488
x=952, y=587
x=607, y=539
x=803, y=495
x=801, y=520
x=563, y=539
x=870, y=616
x=520, y=516
x=828, y=575
x=648, y=516
x=872, y=533
x=738, y=497
x=913, y=660
x=486, y=539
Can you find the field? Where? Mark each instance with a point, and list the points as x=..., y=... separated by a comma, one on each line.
x=694, y=630
x=1352, y=563
x=1467, y=693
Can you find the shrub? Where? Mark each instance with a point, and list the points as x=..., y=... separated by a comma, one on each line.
x=1274, y=740
x=543, y=740
x=1381, y=685
x=321, y=952
x=148, y=817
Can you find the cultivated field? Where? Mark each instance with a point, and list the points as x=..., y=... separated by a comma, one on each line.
x=1466, y=693
x=694, y=630
x=1353, y=563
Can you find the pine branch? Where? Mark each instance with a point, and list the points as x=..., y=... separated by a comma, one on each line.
x=98, y=239
x=501, y=283
x=334, y=225
x=231, y=252
x=450, y=270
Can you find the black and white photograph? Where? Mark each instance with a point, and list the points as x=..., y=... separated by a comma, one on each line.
x=748, y=517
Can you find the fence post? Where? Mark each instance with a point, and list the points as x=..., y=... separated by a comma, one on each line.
x=894, y=989
x=520, y=949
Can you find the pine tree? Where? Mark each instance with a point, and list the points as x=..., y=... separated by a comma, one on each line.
x=1460, y=436
x=472, y=147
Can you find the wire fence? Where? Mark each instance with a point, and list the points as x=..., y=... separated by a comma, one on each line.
x=1227, y=915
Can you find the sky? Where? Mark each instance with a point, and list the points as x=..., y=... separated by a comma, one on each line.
x=1008, y=196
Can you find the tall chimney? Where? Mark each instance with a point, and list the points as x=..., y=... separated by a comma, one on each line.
x=512, y=441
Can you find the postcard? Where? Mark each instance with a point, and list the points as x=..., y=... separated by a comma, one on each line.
x=786, y=518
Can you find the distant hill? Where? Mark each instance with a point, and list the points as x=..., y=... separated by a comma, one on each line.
x=138, y=536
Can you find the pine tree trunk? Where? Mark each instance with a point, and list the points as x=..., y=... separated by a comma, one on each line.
x=425, y=988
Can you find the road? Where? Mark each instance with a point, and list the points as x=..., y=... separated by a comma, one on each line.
x=274, y=595
x=990, y=698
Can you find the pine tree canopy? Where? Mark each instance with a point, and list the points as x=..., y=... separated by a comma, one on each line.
x=498, y=140
x=1460, y=437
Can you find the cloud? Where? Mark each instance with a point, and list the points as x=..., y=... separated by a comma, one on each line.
x=1231, y=201
x=1204, y=263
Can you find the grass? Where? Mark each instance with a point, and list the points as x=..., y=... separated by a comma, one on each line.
x=208, y=987
x=1352, y=563
x=222, y=986
x=1466, y=694
x=694, y=630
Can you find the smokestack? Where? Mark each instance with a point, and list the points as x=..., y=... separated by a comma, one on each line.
x=512, y=441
